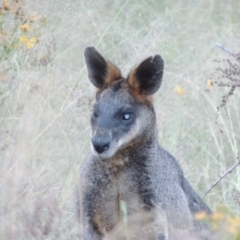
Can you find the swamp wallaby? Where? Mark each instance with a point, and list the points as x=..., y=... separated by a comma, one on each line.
x=127, y=169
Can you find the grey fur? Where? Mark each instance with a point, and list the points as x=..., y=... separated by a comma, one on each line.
x=127, y=165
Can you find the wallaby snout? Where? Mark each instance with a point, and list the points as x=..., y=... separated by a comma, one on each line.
x=101, y=142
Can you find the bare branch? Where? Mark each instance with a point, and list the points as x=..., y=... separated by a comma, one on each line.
x=224, y=49
x=223, y=176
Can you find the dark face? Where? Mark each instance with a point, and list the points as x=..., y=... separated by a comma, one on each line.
x=118, y=119
x=123, y=113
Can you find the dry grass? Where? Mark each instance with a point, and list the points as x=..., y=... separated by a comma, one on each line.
x=45, y=99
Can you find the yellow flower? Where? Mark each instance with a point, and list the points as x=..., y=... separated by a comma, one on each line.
x=3, y=32
x=6, y=5
x=24, y=39
x=234, y=225
x=232, y=229
x=30, y=43
x=25, y=27
x=209, y=84
x=201, y=215
x=179, y=90
x=217, y=216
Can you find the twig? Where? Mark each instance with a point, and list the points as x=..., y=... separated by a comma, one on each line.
x=223, y=176
x=224, y=49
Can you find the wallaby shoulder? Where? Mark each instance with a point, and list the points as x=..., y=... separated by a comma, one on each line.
x=196, y=204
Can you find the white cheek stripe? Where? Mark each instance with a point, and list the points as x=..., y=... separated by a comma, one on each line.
x=130, y=135
x=116, y=145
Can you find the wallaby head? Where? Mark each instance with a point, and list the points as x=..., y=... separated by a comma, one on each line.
x=123, y=112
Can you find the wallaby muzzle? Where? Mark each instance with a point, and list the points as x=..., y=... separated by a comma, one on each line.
x=101, y=141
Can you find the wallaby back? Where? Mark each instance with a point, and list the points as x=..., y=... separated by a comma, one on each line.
x=128, y=181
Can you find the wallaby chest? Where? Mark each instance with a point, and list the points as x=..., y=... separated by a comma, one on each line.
x=120, y=189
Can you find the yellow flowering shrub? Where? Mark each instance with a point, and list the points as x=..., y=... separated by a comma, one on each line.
x=20, y=31
x=221, y=222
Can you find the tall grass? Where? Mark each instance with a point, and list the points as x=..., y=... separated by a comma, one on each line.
x=45, y=99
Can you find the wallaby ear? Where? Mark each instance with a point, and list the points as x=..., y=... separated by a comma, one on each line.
x=146, y=78
x=100, y=71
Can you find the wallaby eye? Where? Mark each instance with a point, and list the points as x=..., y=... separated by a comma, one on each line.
x=126, y=116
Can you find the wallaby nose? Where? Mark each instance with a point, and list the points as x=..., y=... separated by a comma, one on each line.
x=101, y=144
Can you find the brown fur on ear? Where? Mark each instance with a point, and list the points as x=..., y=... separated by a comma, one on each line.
x=113, y=73
x=133, y=81
x=100, y=71
x=135, y=88
x=146, y=78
